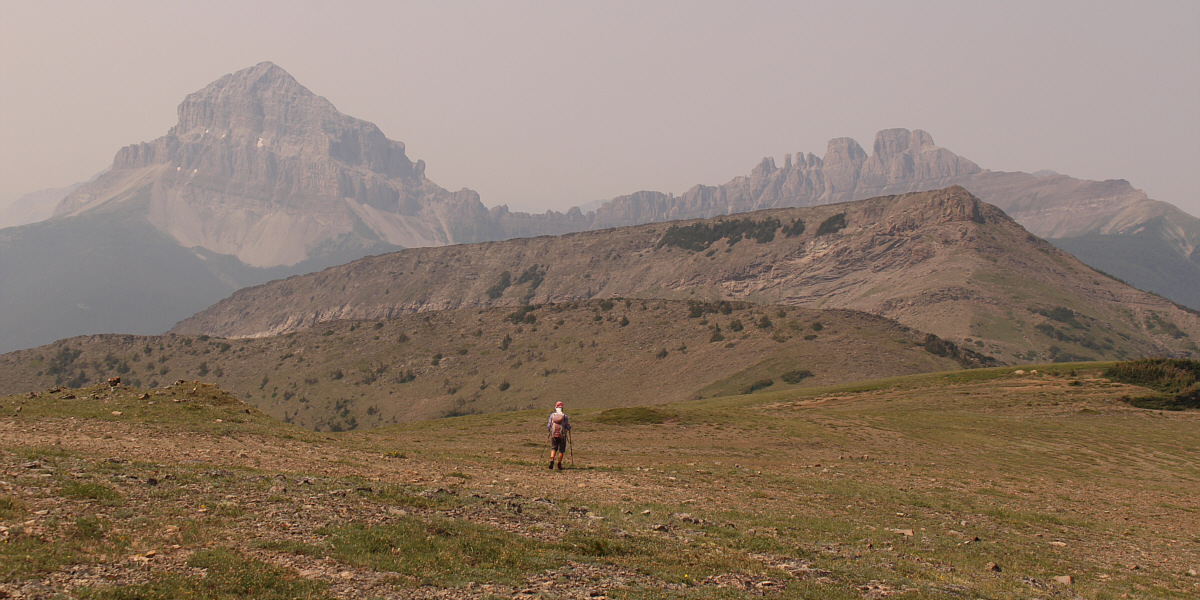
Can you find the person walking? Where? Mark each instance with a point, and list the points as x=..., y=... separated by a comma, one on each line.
x=558, y=427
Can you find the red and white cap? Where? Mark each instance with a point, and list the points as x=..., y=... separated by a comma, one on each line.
x=558, y=405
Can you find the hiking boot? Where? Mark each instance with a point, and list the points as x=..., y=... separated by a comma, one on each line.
x=559, y=466
x=551, y=467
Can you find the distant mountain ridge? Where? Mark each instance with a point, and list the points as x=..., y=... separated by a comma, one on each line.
x=262, y=179
x=33, y=207
x=1049, y=205
x=1056, y=207
x=903, y=161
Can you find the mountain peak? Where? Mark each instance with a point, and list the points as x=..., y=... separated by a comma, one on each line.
x=263, y=99
x=266, y=67
x=261, y=168
x=263, y=71
x=262, y=80
x=890, y=142
x=261, y=114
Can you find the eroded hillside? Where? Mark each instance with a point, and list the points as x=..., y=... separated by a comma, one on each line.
x=942, y=262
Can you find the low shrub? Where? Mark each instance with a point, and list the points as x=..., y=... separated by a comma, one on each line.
x=438, y=552
x=832, y=224
x=497, y=289
x=794, y=229
x=11, y=508
x=699, y=236
x=758, y=385
x=794, y=377
x=634, y=415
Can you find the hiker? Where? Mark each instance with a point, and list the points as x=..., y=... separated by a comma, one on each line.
x=558, y=427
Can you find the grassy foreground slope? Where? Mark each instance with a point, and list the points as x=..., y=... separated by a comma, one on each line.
x=984, y=484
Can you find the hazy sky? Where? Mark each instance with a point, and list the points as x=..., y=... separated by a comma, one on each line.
x=553, y=104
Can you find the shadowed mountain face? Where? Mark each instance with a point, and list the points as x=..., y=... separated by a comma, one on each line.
x=941, y=262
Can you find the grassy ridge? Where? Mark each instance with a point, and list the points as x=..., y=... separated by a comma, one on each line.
x=603, y=353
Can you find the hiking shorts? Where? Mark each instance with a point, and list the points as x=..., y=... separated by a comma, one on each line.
x=558, y=444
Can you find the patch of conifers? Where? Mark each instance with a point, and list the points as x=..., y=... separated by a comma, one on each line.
x=1177, y=380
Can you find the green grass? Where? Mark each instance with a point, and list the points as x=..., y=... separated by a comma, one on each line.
x=92, y=528
x=24, y=556
x=11, y=508
x=437, y=551
x=99, y=492
x=227, y=574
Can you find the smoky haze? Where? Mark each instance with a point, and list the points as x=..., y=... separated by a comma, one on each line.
x=549, y=104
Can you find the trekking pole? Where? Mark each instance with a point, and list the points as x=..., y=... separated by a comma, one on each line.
x=542, y=456
x=571, y=447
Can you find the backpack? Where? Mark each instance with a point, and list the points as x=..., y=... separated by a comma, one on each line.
x=556, y=425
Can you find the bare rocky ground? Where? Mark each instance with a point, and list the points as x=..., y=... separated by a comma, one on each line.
x=1005, y=486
